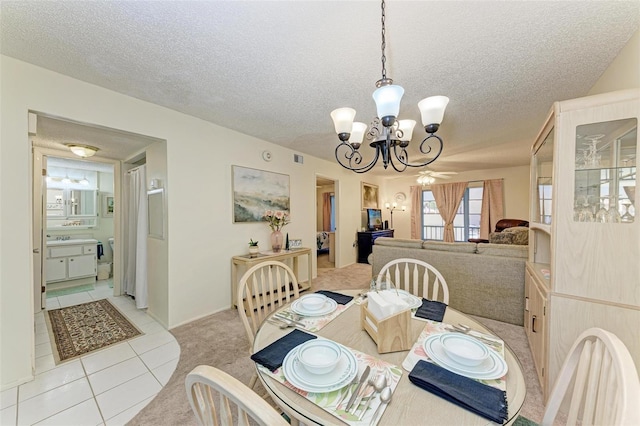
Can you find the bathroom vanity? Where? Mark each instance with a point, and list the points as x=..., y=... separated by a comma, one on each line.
x=70, y=262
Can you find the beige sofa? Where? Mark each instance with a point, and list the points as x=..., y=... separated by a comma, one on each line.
x=483, y=279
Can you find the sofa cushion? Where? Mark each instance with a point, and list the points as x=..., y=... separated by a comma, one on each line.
x=520, y=234
x=505, y=250
x=398, y=242
x=459, y=247
x=501, y=238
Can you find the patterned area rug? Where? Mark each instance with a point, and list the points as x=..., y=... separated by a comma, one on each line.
x=80, y=329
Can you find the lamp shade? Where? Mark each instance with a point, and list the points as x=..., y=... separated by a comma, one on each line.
x=406, y=126
x=387, y=100
x=432, y=109
x=357, y=132
x=343, y=119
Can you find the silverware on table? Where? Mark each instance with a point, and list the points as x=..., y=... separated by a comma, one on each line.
x=283, y=317
x=280, y=324
x=361, y=382
x=467, y=330
x=379, y=383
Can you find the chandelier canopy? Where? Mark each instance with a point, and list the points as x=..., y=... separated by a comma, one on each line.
x=387, y=134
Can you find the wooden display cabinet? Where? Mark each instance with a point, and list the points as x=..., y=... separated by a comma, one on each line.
x=583, y=268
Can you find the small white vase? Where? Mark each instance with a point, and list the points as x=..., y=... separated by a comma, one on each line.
x=253, y=251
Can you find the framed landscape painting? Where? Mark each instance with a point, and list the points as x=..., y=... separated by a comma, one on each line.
x=369, y=196
x=256, y=191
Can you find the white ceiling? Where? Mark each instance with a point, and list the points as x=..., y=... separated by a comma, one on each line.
x=276, y=69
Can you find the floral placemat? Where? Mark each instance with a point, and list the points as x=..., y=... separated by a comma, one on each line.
x=334, y=402
x=314, y=324
x=418, y=353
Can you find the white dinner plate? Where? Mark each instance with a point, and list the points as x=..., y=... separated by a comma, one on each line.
x=329, y=306
x=494, y=367
x=298, y=376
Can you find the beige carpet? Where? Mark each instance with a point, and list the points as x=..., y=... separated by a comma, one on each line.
x=219, y=340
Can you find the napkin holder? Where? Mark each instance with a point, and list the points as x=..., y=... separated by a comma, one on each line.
x=391, y=334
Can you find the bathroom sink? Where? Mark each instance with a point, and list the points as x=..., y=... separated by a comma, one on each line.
x=72, y=241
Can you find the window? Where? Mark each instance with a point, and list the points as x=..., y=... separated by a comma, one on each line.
x=466, y=223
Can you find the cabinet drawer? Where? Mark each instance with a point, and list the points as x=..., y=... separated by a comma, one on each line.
x=89, y=249
x=65, y=251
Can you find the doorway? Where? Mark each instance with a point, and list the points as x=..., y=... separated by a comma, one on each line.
x=96, y=179
x=326, y=224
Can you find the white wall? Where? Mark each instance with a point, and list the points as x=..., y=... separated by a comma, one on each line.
x=199, y=202
x=159, y=292
x=516, y=194
x=624, y=71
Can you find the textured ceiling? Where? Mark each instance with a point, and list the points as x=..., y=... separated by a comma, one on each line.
x=275, y=70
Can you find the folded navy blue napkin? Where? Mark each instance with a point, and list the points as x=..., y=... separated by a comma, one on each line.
x=484, y=400
x=339, y=298
x=273, y=355
x=431, y=310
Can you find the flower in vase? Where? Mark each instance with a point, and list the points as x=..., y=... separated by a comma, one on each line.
x=276, y=219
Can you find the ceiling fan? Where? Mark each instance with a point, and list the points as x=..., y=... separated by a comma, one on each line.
x=427, y=177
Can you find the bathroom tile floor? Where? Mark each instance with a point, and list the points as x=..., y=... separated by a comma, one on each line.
x=106, y=387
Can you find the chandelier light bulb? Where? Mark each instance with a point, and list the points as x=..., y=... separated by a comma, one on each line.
x=432, y=109
x=343, y=119
x=387, y=100
x=357, y=132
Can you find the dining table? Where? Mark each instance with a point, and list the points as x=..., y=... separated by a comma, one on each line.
x=410, y=404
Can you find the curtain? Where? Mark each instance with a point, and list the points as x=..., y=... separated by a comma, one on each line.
x=492, y=206
x=416, y=212
x=135, y=268
x=448, y=197
x=326, y=211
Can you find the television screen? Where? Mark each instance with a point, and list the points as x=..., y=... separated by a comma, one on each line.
x=374, y=219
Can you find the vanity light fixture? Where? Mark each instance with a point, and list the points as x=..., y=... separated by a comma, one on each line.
x=83, y=151
x=388, y=135
x=84, y=181
x=66, y=179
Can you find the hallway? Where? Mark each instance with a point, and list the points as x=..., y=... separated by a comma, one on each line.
x=106, y=387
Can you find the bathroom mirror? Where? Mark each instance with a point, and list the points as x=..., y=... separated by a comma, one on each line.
x=71, y=202
x=71, y=208
x=155, y=213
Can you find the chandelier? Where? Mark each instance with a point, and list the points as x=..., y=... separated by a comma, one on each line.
x=387, y=134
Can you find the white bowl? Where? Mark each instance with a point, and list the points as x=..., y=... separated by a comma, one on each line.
x=319, y=356
x=313, y=302
x=464, y=349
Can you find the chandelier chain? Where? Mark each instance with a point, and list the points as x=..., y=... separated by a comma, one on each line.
x=384, y=45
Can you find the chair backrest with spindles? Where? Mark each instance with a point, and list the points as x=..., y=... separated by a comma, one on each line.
x=236, y=403
x=606, y=389
x=264, y=288
x=417, y=277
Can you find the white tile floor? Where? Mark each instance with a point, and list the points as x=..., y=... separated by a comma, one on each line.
x=107, y=387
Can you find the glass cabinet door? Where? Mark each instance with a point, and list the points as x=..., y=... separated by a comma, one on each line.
x=543, y=168
x=605, y=175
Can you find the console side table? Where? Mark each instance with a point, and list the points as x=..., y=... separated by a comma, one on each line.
x=245, y=261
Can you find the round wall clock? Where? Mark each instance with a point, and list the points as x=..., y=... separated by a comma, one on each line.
x=400, y=197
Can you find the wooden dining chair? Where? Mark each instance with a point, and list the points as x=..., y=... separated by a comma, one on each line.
x=264, y=288
x=417, y=277
x=606, y=389
x=236, y=403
